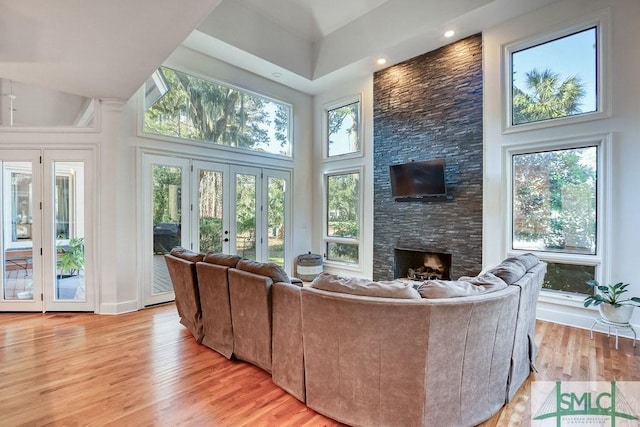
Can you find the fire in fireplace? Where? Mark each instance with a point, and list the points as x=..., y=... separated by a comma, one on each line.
x=421, y=265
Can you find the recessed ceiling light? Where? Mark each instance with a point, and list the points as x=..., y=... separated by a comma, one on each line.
x=381, y=61
x=276, y=75
x=449, y=33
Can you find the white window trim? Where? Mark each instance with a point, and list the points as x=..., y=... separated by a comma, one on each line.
x=601, y=20
x=603, y=207
x=325, y=204
x=325, y=136
x=204, y=144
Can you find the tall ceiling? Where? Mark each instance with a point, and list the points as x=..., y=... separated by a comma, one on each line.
x=108, y=48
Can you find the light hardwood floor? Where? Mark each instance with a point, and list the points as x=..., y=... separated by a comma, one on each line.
x=144, y=369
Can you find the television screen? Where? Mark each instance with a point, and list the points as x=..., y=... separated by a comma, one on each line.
x=418, y=179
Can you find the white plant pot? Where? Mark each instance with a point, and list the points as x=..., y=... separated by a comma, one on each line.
x=615, y=314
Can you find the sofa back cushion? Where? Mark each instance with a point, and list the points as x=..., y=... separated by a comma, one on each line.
x=364, y=287
x=513, y=268
x=274, y=271
x=222, y=259
x=180, y=252
x=464, y=287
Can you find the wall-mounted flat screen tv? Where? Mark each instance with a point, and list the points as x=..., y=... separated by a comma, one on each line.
x=417, y=180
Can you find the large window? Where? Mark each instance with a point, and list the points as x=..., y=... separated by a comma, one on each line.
x=556, y=77
x=180, y=105
x=555, y=212
x=343, y=217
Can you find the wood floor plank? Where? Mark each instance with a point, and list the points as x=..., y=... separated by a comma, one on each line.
x=145, y=369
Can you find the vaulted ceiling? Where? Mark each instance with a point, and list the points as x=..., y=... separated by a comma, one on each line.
x=108, y=48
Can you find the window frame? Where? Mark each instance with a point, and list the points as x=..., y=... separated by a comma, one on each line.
x=603, y=217
x=204, y=144
x=326, y=239
x=602, y=22
x=342, y=102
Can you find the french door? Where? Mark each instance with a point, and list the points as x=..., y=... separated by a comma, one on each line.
x=210, y=207
x=45, y=234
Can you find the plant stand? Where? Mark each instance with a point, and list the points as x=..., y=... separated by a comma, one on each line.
x=616, y=326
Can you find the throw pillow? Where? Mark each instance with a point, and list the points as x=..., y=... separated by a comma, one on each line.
x=364, y=287
x=463, y=287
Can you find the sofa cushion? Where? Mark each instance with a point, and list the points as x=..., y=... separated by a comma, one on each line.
x=180, y=252
x=529, y=260
x=510, y=270
x=364, y=287
x=222, y=259
x=274, y=271
x=465, y=286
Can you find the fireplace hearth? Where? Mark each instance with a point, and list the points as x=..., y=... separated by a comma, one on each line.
x=421, y=265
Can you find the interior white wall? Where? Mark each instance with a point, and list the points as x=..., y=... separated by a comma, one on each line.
x=364, y=89
x=623, y=125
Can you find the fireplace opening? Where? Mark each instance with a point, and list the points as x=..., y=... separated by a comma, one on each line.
x=421, y=265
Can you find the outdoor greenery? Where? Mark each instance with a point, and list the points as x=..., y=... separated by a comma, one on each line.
x=210, y=234
x=167, y=193
x=568, y=278
x=348, y=130
x=546, y=96
x=70, y=257
x=554, y=206
x=343, y=216
x=275, y=218
x=198, y=109
x=210, y=211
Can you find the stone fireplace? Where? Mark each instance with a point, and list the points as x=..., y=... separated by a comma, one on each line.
x=421, y=265
x=430, y=107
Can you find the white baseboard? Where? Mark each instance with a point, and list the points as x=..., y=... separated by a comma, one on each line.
x=118, y=308
x=576, y=317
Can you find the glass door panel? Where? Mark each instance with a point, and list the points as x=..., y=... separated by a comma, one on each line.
x=18, y=231
x=167, y=221
x=245, y=214
x=210, y=192
x=275, y=219
x=165, y=208
x=69, y=233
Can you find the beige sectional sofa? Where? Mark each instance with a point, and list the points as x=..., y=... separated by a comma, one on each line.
x=378, y=353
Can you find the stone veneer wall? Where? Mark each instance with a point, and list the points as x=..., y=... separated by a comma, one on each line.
x=426, y=108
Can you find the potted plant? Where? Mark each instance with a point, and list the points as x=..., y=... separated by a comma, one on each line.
x=609, y=301
x=71, y=258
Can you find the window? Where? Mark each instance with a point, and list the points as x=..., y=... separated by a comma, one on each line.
x=343, y=128
x=556, y=77
x=555, y=212
x=183, y=106
x=343, y=217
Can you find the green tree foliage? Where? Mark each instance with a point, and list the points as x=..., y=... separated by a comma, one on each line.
x=336, y=124
x=343, y=214
x=555, y=199
x=167, y=187
x=199, y=109
x=246, y=213
x=546, y=96
x=210, y=211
